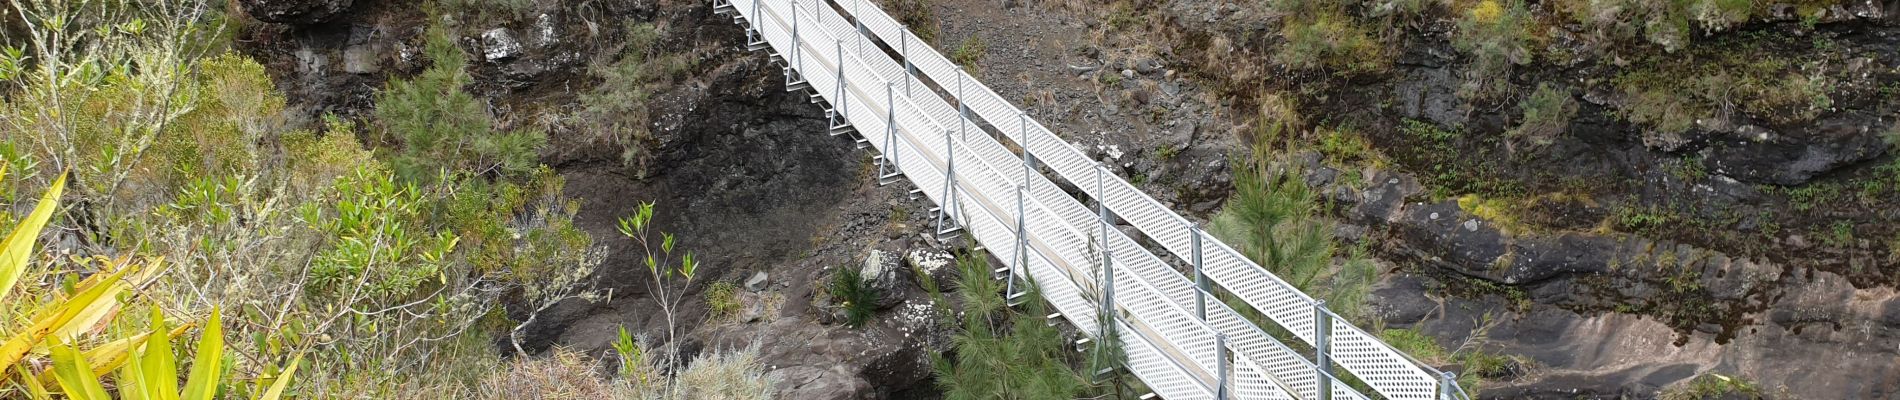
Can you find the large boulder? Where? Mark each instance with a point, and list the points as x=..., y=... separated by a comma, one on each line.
x=295, y=12
x=885, y=273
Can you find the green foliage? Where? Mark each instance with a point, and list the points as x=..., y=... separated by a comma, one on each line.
x=632, y=356
x=1322, y=37
x=1644, y=219
x=441, y=127
x=1273, y=220
x=1497, y=37
x=1547, y=113
x=854, y=295
x=1712, y=386
x=1671, y=93
x=385, y=281
x=616, y=111
x=1004, y=354
x=1668, y=23
x=918, y=15
x=722, y=300
x=969, y=52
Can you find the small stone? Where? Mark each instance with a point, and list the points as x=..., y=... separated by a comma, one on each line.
x=1128, y=73
x=757, y=282
x=1471, y=225
x=499, y=45
x=360, y=60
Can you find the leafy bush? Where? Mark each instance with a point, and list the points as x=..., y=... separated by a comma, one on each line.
x=1497, y=37
x=385, y=282
x=854, y=295
x=85, y=310
x=1547, y=113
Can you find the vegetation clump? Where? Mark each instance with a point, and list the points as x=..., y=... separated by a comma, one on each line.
x=1497, y=36
x=854, y=295
x=1547, y=113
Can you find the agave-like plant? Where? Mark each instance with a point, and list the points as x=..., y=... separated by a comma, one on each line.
x=146, y=365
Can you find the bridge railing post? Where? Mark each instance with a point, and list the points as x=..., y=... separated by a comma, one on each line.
x=903, y=50
x=950, y=205
x=842, y=113
x=1200, y=276
x=1322, y=335
x=890, y=138
x=1022, y=245
x=1220, y=366
x=798, y=62
x=1448, y=386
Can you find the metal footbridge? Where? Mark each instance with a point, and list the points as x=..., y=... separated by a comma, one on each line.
x=991, y=170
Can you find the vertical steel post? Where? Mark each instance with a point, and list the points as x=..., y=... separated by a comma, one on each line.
x=755, y=34
x=798, y=63
x=949, y=184
x=1200, y=276
x=1220, y=366
x=857, y=21
x=1447, y=386
x=1322, y=333
x=842, y=112
x=1022, y=138
x=963, y=113
x=1022, y=246
x=903, y=50
x=1108, y=295
x=890, y=137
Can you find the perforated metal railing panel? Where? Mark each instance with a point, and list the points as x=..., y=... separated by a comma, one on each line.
x=931, y=142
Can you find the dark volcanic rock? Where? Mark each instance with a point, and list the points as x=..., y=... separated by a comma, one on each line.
x=1794, y=160
x=295, y=12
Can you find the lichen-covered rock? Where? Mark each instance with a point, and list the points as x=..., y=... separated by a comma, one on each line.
x=294, y=12
x=885, y=272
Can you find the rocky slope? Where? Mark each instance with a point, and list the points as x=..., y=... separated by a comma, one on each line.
x=1623, y=258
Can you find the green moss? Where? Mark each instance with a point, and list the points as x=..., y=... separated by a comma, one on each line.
x=1712, y=386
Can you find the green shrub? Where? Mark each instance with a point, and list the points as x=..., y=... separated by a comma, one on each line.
x=440, y=127
x=1547, y=113
x=1670, y=93
x=1328, y=39
x=616, y=111
x=1002, y=353
x=918, y=15
x=1497, y=37
x=969, y=53
x=854, y=295
x=1273, y=219
x=722, y=300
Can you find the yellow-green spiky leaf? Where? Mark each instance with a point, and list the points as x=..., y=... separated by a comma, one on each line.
x=75, y=376
x=157, y=365
x=283, y=380
x=207, y=365
x=17, y=251
x=58, y=315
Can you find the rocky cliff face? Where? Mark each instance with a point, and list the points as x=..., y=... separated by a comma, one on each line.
x=1753, y=243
